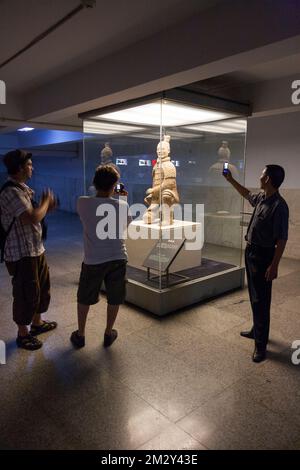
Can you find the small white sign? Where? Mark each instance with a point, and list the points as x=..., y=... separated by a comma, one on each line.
x=145, y=163
x=121, y=161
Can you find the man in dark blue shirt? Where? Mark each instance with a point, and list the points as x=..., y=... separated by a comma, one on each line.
x=266, y=238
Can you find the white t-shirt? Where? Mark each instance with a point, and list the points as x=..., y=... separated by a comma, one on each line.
x=104, y=221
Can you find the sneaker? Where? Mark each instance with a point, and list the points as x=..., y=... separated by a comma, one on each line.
x=77, y=340
x=109, y=339
x=28, y=342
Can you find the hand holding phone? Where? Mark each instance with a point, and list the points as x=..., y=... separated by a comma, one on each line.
x=120, y=189
x=226, y=172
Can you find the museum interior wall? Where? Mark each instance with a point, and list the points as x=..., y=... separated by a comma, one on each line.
x=276, y=139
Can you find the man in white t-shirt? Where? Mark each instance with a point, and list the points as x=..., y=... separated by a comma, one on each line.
x=104, y=220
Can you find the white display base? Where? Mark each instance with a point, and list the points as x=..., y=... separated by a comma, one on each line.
x=138, y=249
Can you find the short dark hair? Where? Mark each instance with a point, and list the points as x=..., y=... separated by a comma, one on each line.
x=105, y=177
x=276, y=174
x=15, y=159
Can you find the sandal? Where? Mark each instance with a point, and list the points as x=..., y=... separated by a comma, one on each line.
x=43, y=328
x=28, y=342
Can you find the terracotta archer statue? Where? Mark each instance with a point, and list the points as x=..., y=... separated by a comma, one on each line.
x=163, y=194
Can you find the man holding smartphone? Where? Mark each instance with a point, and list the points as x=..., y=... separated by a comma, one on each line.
x=105, y=255
x=266, y=238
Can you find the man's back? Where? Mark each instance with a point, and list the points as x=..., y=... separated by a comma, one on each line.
x=269, y=221
x=104, y=221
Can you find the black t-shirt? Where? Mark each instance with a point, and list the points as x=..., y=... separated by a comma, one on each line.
x=269, y=221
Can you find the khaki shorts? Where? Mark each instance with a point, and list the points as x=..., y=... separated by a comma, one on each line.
x=112, y=273
x=31, y=287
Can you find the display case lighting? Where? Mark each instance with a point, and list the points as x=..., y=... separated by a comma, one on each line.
x=92, y=127
x=170, y=114
x=225, y=127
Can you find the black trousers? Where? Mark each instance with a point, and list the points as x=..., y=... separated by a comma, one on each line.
x=257, y=261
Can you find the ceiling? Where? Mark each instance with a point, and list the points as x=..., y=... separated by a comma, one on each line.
x=272, y=70
x=92, y=34
x=100, y=32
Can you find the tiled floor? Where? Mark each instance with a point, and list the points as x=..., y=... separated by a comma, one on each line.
x=181, y=382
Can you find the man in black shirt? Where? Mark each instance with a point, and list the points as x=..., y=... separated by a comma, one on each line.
x=266, y=238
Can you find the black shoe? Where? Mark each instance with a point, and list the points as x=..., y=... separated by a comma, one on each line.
x=259, y=355
x=109, y=339
x=28, y=342
x=248, y=334
x=77, y=340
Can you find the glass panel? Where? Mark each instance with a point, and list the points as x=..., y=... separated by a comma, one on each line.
x=132, y=146
x=207, y=200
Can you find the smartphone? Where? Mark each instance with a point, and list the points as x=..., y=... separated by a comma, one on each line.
x=119, y=188
x=225, y=168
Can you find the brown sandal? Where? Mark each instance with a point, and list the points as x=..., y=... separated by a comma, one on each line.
x=28, y=342
x=43, y=328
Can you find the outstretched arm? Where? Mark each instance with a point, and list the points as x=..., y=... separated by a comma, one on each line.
x=240, y=189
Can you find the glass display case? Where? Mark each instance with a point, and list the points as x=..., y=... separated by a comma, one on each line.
x=184, y=242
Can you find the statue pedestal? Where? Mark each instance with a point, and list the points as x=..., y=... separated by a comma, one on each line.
x=149, y=234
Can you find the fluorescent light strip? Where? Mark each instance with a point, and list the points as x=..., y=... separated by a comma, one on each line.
x=25, y=129
x=106, y=128
x=168, y=114
x=222, y=128
x=232, y=125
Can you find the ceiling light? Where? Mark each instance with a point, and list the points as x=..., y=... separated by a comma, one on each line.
x=92, y=127
x=224, y=127
x=26, y=129
x=168, y=114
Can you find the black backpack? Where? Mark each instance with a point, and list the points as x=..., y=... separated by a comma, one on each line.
x=4, y=233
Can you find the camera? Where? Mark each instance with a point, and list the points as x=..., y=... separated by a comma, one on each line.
x=119, y=188
x=225, y=168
